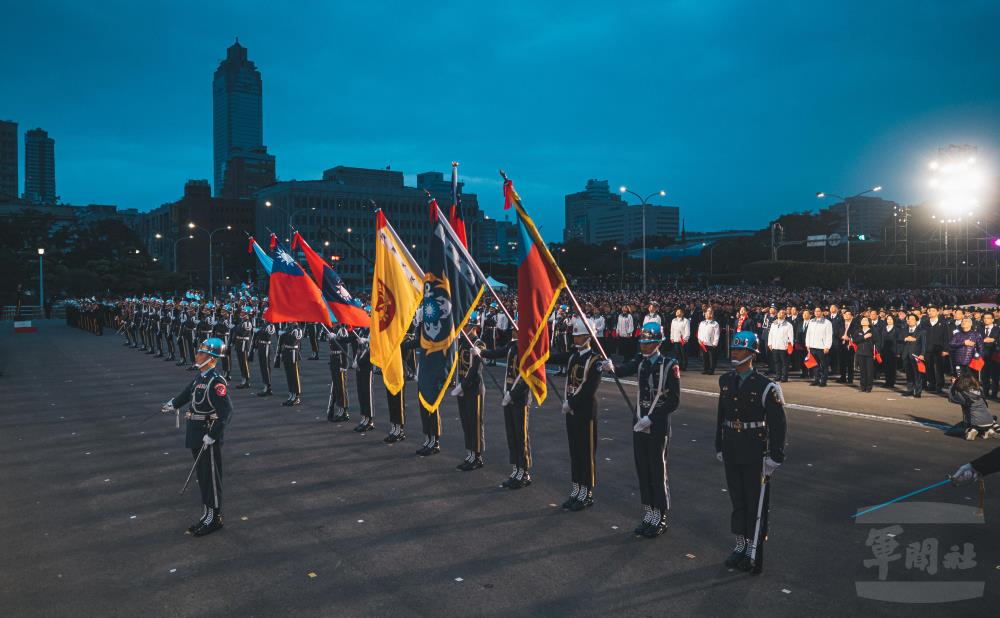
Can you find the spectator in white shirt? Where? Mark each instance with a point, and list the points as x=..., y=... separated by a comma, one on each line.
x=624, y=330
x=819, y=339
x=781, y=339
x=680, y=333
x=708, y=341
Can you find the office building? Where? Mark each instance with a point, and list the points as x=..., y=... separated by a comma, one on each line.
x=8, y=160
x=237, y=112
x=596, y=215
x=39, y=167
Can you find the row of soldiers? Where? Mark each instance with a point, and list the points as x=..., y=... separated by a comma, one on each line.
x=750, y=437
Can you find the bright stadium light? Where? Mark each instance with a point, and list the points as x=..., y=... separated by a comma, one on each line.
x=957, y=180
x=996, y=242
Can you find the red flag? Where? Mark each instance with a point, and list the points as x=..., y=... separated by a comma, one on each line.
x=809, y=361
x=274, y=243
x=455, y=218
x=878, y=357
x=852, y=346
x=702, y=346
x=343, y=306
x=539, y=282
x=790, y=349
x=293, y=297
x=977, y=363
x=921, y=367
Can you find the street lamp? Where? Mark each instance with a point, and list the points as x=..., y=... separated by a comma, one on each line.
x=211, y=280
x=644, y=202
x=711, y=259
x=847, y=204
x=621, y=256
x=41, y=279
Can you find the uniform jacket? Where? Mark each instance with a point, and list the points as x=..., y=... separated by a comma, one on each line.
x=659, y=387
x=755, y=399
x=208, y=394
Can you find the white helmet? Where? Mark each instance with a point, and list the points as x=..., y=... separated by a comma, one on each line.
x=579, y=328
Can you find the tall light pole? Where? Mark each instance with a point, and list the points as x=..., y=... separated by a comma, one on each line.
x=711, y=259
x=644, y=202
x=211, y=280
x=621, y=256
x=41, y=279
x=847, y=204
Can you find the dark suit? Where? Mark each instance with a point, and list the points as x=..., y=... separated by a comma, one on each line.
x=936, y=341
x=991, y=371
x=909, y=349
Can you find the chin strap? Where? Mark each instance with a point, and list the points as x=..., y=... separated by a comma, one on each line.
x=203, y=363
x=745, y=360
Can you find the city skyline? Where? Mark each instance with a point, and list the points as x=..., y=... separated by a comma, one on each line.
x=716, y=96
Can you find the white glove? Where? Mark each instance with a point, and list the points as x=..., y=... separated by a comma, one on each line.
x=770, y=466
x=608, y=366
x=457, y=391
x=506, y=399
x=208, y=440
x=642, y=425
x=964, y=475
x=475, y=351
x=168, y=408
x=354, y=364
x=566, y=409
x=719, y=456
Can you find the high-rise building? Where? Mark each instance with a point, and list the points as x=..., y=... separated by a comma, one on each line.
x=39, y=167
x=8, y=159
x=871, y=216
x=596, y=215
x=247, y=171
x=237, y=111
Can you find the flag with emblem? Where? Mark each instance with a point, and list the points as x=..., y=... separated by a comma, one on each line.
x=345, y=309
x=451, y=293
x=396, y=289
x=539, y=282
x=293, y=297
x=264, y=259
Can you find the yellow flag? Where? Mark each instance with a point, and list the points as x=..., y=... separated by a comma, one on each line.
x=397, y=287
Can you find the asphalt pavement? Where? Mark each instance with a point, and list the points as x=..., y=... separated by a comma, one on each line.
x=323, y=521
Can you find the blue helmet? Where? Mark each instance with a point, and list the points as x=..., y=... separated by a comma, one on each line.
x=744, y=340
x=247, y=309
x=227, y=307
x=652, y=332
x=213, y=347
x=474, y=318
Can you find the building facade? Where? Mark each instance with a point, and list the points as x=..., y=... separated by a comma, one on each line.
x=166, y=232
x=336, y=215
x=596, y=215
x=870, y=216
x=237, y=112
x=247, y=172
x=39, y=167
x=8, y=160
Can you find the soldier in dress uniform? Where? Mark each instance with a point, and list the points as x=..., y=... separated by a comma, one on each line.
x=516, y=400
x=262, y=334
x=490, y=330
x=205, y=326
x=191, y=333
x=659, y=395
x=336, y=407
x=469, y=390
x=312, y=330
x=181, y=324
x=169, y=326
x=750, y=442
x=289, y=353
x=207, y=418
x=363, y=377
x=583, y=376
x=222, y=329
x=242, y=337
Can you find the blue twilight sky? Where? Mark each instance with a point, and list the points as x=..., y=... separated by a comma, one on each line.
x=740, y=110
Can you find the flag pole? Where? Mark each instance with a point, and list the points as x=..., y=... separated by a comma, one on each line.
x=583, y=316
x=454, y=238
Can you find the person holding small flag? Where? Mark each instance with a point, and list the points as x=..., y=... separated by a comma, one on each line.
x=708, y=341
x=865, y=340
x=658, y=396
x=680, y=334
x=781, y=343
x=912, y=350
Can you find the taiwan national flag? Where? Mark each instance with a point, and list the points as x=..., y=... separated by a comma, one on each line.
x=977, y=363
x=539, y=282
x=293, y=296
x=809, y=361
x=263, y=258
x=340, y=301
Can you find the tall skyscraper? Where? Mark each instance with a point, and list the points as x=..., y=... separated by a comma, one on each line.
x=8, y=159
x=39, y=167
x=237, y=110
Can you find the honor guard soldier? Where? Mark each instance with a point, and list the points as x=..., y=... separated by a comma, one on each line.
x=312, y=331
x=170, y=329
x=289, y=341
x=190, y=340
x=207, y=418
x=658, y=396
x=750, y=442
x=205, y=325
x=336, y=407
x=222, y=329
x=262, y=344
x=242, y=338
x=181, y=325
x=363, y=377
x=516, y=400
x=469, y=390
x=583, y=376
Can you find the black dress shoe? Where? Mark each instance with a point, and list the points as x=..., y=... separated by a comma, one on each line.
x=210, y=527
x=265, y=392
x=314, y=357
x=476, y=464
x=434, y=449
x=423, y=451
x=507, y=482
x=744, y=564
x=341, y=418
x=916, y=395
x=734, y=559
x=640, y=530
x=814, y=383
x=392, y=438
x=465, y=466
x=195, y=526
x=579, y=505
x=243, y=385
x=569, y=502
x=365, y=427
x=522, y=482
x=655, y=530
